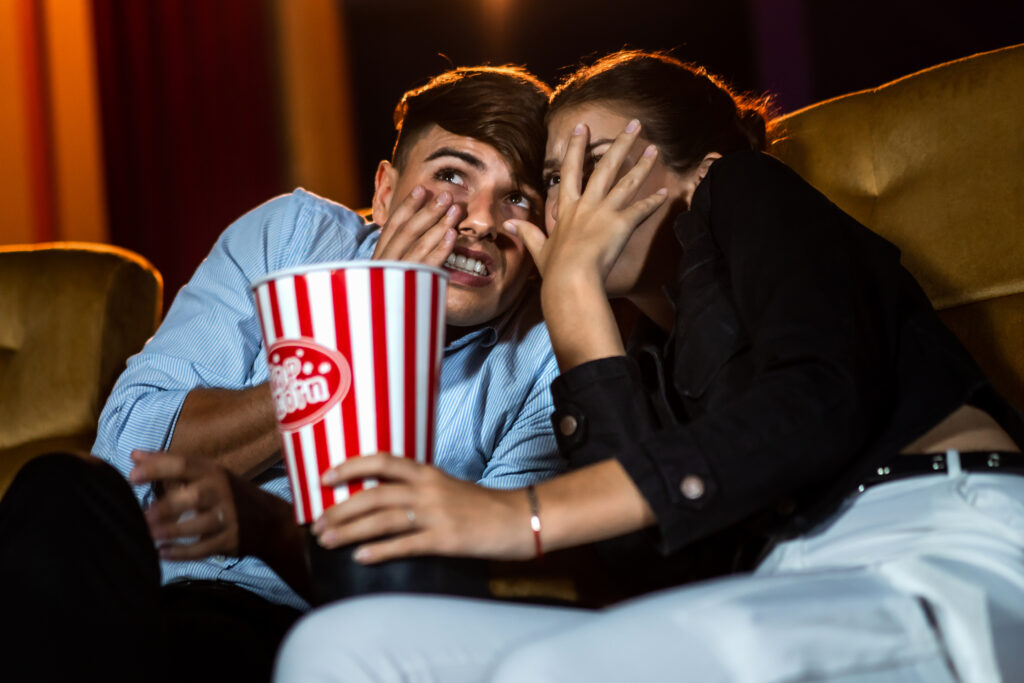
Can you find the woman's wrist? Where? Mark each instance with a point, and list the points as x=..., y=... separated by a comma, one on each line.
x=579, y=318
x=535, y=524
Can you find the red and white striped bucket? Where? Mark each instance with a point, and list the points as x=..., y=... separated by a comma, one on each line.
x=354, y=353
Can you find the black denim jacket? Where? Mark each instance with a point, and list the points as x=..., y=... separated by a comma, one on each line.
x=803, y=356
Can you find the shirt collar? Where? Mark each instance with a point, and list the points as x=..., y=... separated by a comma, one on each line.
x=488, y=334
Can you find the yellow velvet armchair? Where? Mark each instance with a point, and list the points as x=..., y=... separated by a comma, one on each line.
x=70, y=315
x=934, y=162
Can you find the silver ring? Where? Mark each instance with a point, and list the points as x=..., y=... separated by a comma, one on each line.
x=411, y=516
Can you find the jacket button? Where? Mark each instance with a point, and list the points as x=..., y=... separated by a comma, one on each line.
x=567, y=425
x=692, y=487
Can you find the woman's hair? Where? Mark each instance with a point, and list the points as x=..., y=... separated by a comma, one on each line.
x=685, y=111
x=501, y=105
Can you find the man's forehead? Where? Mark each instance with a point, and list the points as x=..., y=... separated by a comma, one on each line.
x=436, y=142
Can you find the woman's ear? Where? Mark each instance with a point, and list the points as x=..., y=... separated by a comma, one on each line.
x=705, y=164
x=384, y=183
x=688, y=181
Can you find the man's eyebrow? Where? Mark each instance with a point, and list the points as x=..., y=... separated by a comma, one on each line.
x=458, y=154
x=556, y=163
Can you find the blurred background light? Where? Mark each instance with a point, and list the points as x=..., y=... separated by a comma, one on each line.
x=152, y=124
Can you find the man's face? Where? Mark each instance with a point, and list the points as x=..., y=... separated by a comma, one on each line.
x=488, y=267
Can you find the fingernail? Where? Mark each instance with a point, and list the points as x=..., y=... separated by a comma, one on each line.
x=443, y=199
x=452, y=210
x=361, y=555
x=318, y=526
x=327, y=538
x=578, y=130
x=633, y=126
x=417, y=192
x=449, y=236
x=663, y=190
x=329, y=478
x=510, y=228
x=650, y=151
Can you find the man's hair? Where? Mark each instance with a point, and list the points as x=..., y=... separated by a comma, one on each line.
x=502, y=106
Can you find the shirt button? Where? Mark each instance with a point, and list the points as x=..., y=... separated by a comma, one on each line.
x=692, y=487
x=567, y=425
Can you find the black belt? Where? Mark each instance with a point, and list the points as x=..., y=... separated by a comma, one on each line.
x=903, y=466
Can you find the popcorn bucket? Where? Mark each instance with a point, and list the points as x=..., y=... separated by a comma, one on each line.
x=354, y=355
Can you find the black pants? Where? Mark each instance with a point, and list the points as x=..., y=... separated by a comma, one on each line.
x=81, y=598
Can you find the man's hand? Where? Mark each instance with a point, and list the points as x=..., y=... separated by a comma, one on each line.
x=422, y=229
x=196, y=516
x=205, y=510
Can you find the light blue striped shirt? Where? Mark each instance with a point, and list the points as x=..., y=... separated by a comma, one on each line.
x=493, y=410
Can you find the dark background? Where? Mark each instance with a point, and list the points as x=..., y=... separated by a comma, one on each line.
x=192, y=124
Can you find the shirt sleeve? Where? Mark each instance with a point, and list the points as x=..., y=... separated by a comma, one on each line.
x=821, y=383
x=527, y=451
x=211, y=335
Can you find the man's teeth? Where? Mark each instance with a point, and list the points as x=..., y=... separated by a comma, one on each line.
x=466, y=264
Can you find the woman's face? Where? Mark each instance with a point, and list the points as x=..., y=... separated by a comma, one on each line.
x=605, y=124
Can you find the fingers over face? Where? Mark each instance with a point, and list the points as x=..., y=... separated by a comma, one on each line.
x=533, y=238
x=427, y=222
x=640, y=210
x=405, y=210
x=435, y=243
x=572, y=165
x=625, y=189
x=607, y=169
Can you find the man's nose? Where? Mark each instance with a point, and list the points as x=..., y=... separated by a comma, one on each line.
x=480, y=220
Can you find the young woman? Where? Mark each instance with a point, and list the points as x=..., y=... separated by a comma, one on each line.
x=788, y=384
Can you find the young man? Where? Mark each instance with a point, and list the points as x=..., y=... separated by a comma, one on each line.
x=195, y=405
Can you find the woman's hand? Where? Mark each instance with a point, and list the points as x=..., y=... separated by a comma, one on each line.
x=419, y=510
x=196, y=515
x=591, y=229
x=594, y=223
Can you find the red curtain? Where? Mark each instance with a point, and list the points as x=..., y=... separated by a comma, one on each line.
x=191, y=123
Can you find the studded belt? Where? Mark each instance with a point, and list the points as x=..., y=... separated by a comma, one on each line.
x=950, y=463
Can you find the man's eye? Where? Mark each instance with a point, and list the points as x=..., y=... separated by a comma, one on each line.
x=520, y=200
x=449, y=175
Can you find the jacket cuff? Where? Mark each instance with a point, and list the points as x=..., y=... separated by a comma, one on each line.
x=589, y=402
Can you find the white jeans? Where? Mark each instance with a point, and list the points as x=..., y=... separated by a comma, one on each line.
x=913, y=580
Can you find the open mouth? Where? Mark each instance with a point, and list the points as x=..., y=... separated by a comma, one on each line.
x=467, y=264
